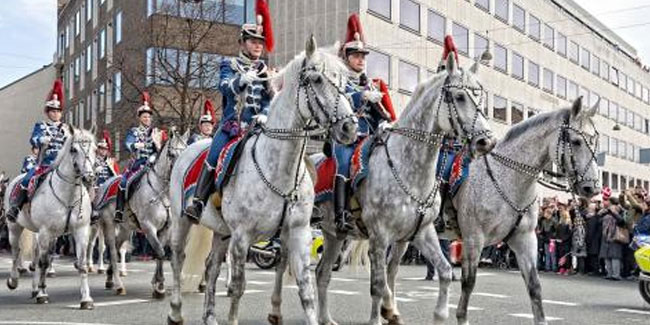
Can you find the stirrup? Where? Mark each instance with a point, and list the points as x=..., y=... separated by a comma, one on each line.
x=343, y=224
x=193, y=212
x=12, y=214
x=119, y=216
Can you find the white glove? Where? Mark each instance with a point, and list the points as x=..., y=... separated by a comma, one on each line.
x=372, y=96
x=152, y=159
x=45, y=140
x=139, y=145
x=260, y=119
x=383, y=126
x=98, y=169
x=247, y=78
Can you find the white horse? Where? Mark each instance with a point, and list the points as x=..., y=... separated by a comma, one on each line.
x=148, y=210
x=61, y=205
x=269, y=189
x=96, y=236
x=398, y=197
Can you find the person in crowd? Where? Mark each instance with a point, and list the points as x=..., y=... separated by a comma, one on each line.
x=610, y=250
x=563, y=237
x=579, y=241
x=546, y=233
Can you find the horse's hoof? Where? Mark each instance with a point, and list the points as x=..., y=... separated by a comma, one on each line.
x=201, y=288
x=274, y=319
x=12, y=284
x=87, y=305
x=32, y=268
x=158, y=295
x=120, y=292
x=386, y=313
x=51, y=275
x=109, y=285
x=22, y=270
x=42, y=300
x=122, y=273
x=101, y=271
x=396, y=320
x=34, y=294
x=91, y=269
x=170, y=321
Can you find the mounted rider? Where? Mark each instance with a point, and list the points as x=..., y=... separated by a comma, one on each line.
x=246, y=99
x=106, y=166
x=206, y=123
x=371, y=102
x=144, y=142
x=48, y=138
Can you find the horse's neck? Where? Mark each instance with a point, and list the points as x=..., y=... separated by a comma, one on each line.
x=63, y=176
x=160, y=170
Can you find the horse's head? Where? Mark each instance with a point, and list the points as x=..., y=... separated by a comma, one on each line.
x=463, y=115
x=83, y=148
x=321, y=91
x=574, y=148
x=175, y=145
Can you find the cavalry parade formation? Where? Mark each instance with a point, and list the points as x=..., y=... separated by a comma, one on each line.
x=435, y=169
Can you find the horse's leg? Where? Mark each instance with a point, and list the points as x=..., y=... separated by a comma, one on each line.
x=15, y=231
x=92, y=238
x=525, y=247
x=33, y=265
x=378, y=246
x=331, y=249
x=471, y=255
x=389, y=307
x=181, y=229
x=238, y=250
x=123, y=250
x=428, y=243
x=275, y=317
x=299, y=245
x=158, y=282
x=81, y=241
x=212, y=270
x=205, y=275
x=228, y=270
x=44, y=242
x=112, y=275
x=101, y=243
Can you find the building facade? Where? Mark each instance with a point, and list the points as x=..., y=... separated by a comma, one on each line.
x=546, y=53
x=110, y=51
x=23, y=104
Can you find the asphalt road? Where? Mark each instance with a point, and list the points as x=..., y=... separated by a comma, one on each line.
x=499, y=298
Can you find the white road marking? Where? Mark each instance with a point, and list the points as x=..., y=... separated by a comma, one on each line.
x=429, y=288
x=291, y=287
x=561, y=303
x=265, y=273
x=530, y=316
x=29, y=322
x=259, y=283
x=468, y=307
x=491, y=295
x=405, y=299
x=633, y=311
x=480, y=274
x=344, y=280
x=344, y=292
x=225, y=293
x=112, y=303
x=415, y=279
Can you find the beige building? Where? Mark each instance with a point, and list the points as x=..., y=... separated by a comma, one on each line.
x=546, y=53
x=23, y=102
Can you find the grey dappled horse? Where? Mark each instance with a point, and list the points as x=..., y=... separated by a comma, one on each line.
x=61, y=205
x=502, y=188
x=149, y=207
x=398, y=197
x=268, y=188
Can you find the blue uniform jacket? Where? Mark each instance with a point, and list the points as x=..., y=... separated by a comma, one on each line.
x=29, y=163
x=197, y=137
x=368, y=115
x=57, y=134
x=140, y=134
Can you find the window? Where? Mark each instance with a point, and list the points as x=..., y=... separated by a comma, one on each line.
x=615, y=182
x=501, y=9
x=461, y=38
x=89, y=9
x=409, y=15
x=574, y=51
x=613, y=76
x=89, y=56
x=67, y=37
x=480, y=46
x=101, y=95
x=561, y=87
x=102, y=43
x=380, y=7
x=585, y=58
x=637, y=90
x=630, y=119
x=77, y=23
x=622, y=80
x=561, y=44
x=572, y=92
x=613, y=111
x=235, y=12
x=534, y=28
x=549, y=36
x=604, y=70
x=644, y=95
x=603, y=108
x=595, y=65
x=622, y=149
x=118, y=27
x=517, y=66
x=516, y=113
x=117, y=87
x=409, y=75
x=379, y=66
x=61, y=47
x=500, y=58
x=548, y=80
x=622, y=115
x=518, y=18
x=483, y=4
x=531, y=112
x=593, y=99
x=499, y=109
x=77, y=68
x=436, y=26
x=638, y=123
x=584, y=93
x=630, y=86
x=605, y=179
x=533, y=74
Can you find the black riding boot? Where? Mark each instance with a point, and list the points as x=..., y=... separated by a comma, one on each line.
x=342, y=215
x=204, y=187
x=119, y=205
x=18, y=203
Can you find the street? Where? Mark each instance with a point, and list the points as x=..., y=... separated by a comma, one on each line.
x=499, y=298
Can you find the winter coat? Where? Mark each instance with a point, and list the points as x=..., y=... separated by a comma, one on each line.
x=593, y=234
x=609, y=249
x=563, y=235
x=579, y=240
x=547, y=228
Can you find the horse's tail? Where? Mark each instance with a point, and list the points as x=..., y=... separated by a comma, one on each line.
x=359, y=254
x=27, y=245
x=197, y=249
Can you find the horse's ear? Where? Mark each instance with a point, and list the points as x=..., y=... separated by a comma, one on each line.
x=186, y=135
x=93, y=129
x=594, y=109
x=576, y=108
x=311, y=46
x=452, y=65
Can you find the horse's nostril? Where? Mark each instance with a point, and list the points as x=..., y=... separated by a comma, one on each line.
x=587, y=189
x=481, y=142
x=348, y=127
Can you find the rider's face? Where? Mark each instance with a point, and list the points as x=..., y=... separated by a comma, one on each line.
x=145, y=119
x=253, y=47
x=54, y=115
x=102, y=152
x=357, y=61
x=206, y=128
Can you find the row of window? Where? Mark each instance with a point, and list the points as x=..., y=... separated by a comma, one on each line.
x=73, y=28
x=619, y=148
x=622, y=182
x=166, y=66
x=87, y=109
x=235, y=12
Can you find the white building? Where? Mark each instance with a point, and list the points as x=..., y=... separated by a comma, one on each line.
x=546, y=53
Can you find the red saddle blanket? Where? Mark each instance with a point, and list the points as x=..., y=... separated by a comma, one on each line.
x=107, y=192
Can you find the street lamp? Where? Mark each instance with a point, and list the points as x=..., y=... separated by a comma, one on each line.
x=616, y=127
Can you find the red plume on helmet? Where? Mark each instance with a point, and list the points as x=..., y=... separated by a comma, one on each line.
x=146, y=104
x=107, y=139
x=55, y=98
x=355, y=31
x=449, y=47
x=208, y=113
x=386, y=102
x=146, y=99
x=264, y=14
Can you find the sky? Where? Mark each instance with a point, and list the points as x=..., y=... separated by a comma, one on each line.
x=28, y=29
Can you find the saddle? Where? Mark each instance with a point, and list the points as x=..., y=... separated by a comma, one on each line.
x=228, y=159
x=107, y=192
x=34, y=183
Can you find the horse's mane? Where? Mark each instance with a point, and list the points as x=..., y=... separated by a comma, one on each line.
x=543, y=118
x=287, y=78
x=423, y=91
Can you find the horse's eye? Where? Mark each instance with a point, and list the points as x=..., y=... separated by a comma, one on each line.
x=317, y=78
x=576, y=143
x=460, y=98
